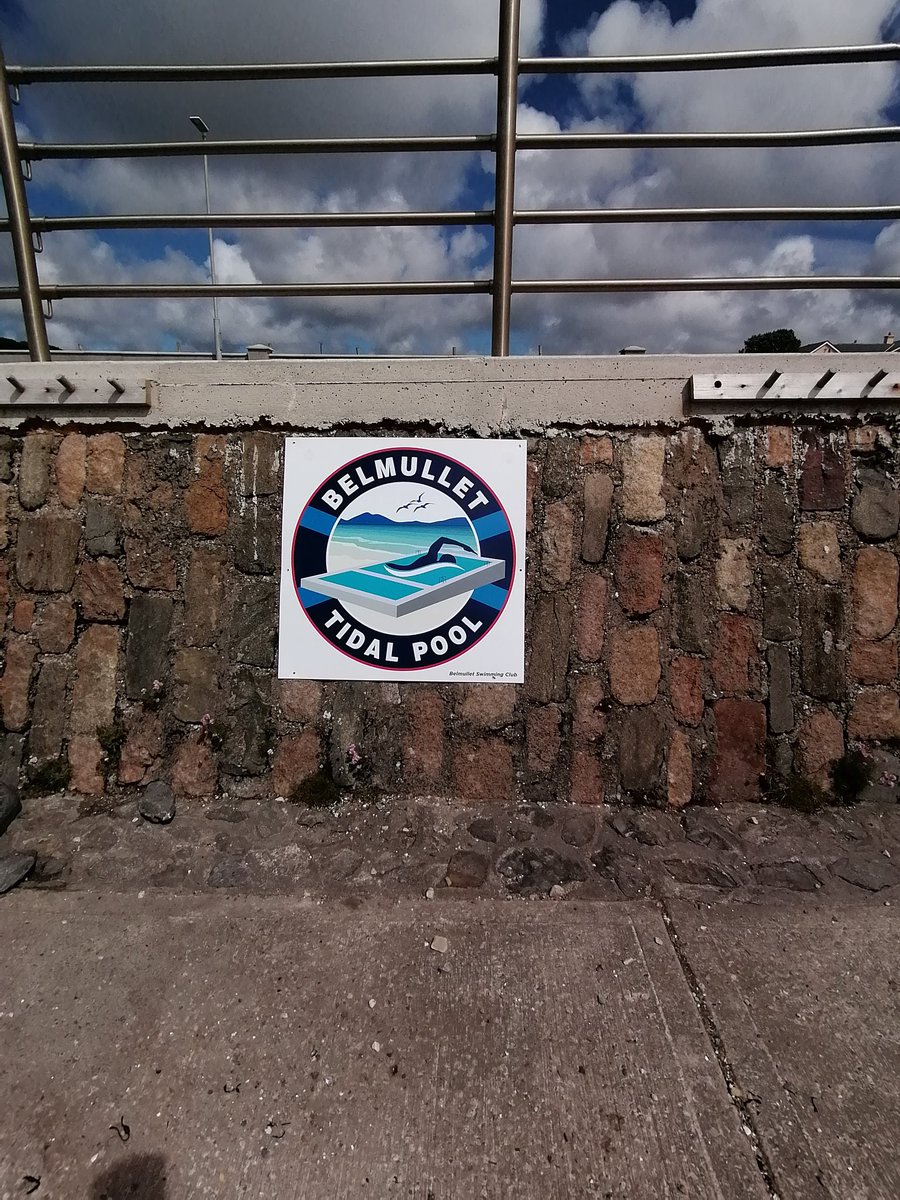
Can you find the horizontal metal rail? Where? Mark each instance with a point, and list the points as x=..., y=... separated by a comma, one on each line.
x=452, y=287
x=550, y=216
x=717, y=60
x=35, y=151
x=257, y=220
x=237, y=72
x=604, y=64
x=614, y=216
x=757, y=283
x=667, y=141
x=183, y=291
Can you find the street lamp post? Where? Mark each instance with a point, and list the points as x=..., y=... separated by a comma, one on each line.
x=203, y=129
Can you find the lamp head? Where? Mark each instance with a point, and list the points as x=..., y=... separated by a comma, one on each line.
x=200, y=125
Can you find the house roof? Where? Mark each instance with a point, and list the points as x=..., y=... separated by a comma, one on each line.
x=850, y=347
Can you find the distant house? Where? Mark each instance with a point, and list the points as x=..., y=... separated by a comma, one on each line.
x=888, y=346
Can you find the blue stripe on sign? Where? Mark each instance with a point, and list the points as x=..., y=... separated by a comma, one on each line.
x=309, y=599
x=491, y=595
x=487, y=527
x=321, y=522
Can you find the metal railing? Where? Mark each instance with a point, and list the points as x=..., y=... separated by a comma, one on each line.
x=27, y=230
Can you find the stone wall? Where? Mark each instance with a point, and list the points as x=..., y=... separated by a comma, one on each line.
x=706, y=606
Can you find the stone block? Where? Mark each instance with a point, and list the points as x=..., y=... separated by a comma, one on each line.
x=55, y=627
x=740, y=755
x=561, y=467
x=102, y=527
x=643, y=461
x=779, y=447
x=70, y=469
x=734, y=573
x=591, y=618
x=34, y=470
x=875, y=513
x=735, y=660
x=12, y=747
x=542, y=738
x=557, y=542
x=261, y=455
x=875, y=579
x=6, y=453
x=194, y=769
x=691, y=603
x=820, y=550
x=23, y=615
x=206, y=500
x=820, y=743
x=4, y=515
x=679, y=770
x=781, y=706
x=639, y=572
x=686, y=689
x=875, y=715
x=87, y=762
x=548, y=660
x=585, y=777
x=257, y=540
x=642, y=744
x=488, y=705
x=143, y=747
x=598, y=495
x=776, y=518
x=483, y=770
x=203, y=594
x=254, y=618
x=249, y=723
x=149, y=564
x=196, y=679
x=823, y=640
x=423, y=741
x=15, y=683
x=873, y=662
x=48, y=721
x=146, y=656
x=532, y=488
x=823, y=478
x=100, y=590
x=589, y=718
x=634, y=668
x=300, y=699
x=779, y=597
x=105, y=464
x=45, y=553
x=297, y=759
x=737, y=467
x=596, y=450
x=695, y=475
x=94, y=692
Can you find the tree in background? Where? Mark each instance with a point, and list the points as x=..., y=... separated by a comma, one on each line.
x=776, y=341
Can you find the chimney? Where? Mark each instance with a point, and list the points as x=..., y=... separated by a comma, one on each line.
x=888, y=339
x=259, y=350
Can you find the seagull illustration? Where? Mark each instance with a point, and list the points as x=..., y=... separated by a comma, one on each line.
x=431, y=556
x=411, y=503
x=419, y=507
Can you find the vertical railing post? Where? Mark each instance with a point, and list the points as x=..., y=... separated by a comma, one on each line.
x=20, y=226
x=505, y=184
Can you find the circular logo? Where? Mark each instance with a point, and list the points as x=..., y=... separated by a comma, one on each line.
x=403, y=558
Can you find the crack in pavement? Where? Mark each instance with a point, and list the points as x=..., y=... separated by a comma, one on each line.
x=741, y=1100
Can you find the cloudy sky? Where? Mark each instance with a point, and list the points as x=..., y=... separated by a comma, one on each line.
x=143, y=31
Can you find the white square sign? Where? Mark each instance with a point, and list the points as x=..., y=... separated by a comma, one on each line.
x=403, y=559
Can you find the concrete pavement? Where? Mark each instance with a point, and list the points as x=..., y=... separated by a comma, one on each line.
x=167, y=1046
